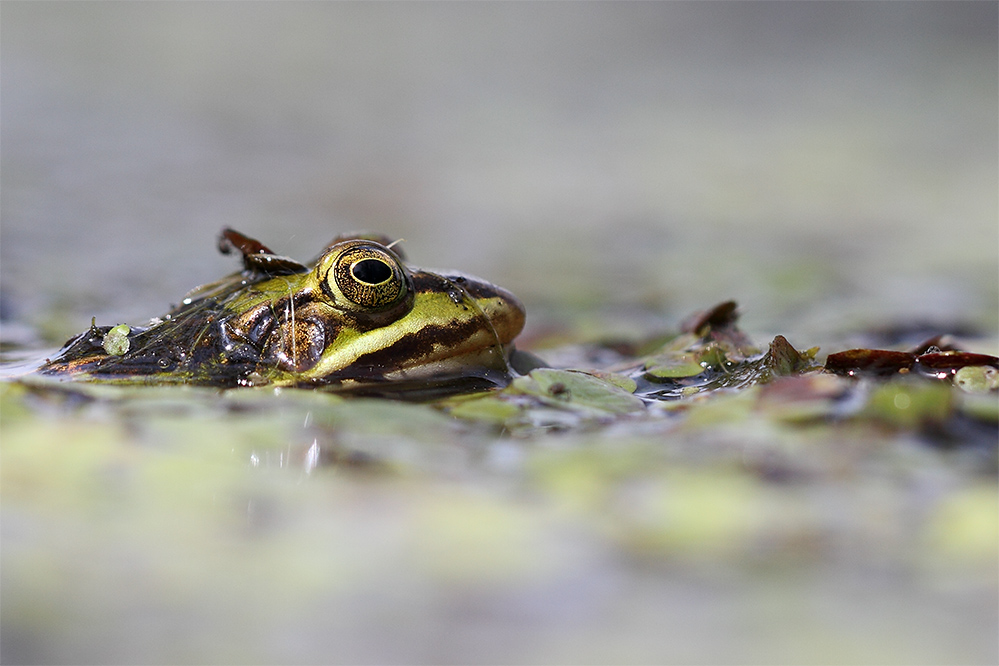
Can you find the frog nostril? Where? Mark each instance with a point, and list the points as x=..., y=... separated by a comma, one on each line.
x=371, y=271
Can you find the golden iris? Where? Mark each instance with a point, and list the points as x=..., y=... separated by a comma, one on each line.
x=369, y=277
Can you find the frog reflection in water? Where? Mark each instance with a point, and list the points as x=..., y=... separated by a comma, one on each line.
x=358, y=320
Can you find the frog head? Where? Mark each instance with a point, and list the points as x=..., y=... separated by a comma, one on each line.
x=360, y=314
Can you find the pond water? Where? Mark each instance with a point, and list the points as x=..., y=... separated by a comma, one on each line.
x=831, y=167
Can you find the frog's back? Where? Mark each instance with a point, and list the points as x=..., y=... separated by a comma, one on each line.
x=183, y=346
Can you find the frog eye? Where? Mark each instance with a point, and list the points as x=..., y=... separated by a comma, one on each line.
x=368, y=276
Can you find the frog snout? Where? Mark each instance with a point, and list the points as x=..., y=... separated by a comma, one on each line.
x=504, y=311
x=506, y=314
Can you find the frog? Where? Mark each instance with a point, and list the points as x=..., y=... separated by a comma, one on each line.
x=356, y=319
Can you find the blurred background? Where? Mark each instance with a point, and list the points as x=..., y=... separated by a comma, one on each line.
x=831, y=166
x=828, y=165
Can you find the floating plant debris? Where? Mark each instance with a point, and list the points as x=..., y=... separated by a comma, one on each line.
x=883, y=363
x=912, y=389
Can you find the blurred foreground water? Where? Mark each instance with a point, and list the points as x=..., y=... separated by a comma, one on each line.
x=831, y=166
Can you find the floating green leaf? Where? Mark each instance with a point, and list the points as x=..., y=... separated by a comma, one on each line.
x=674, y=364
x=977, y=378
x=116, y=342
x=577, y=390
x=908, y=404
x=489, y=408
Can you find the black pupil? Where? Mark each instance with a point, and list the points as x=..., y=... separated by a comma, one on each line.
x=371, y=271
